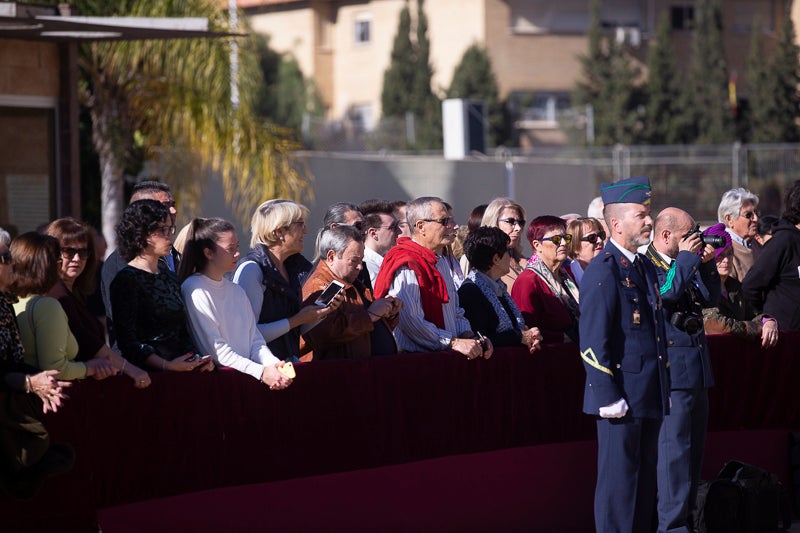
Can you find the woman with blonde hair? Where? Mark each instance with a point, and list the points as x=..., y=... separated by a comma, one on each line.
x=588, y=239
x=509, y=216
x=273, y=273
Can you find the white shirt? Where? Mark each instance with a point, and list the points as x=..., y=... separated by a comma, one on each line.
x=415, y=334
x=223, y=325
x=373, y=260
x=249, y=276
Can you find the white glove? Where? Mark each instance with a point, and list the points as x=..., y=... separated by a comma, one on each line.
x=615, y=410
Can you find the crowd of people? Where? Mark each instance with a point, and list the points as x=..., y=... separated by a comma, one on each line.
x=407, y=278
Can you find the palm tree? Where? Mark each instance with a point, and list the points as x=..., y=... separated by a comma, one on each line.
x=171, y=99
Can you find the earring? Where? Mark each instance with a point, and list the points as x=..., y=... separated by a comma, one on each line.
x=283, y=238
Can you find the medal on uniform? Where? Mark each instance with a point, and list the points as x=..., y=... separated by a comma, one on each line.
x=637, y=318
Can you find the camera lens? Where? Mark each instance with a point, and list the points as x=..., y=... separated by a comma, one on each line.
x=717, y=241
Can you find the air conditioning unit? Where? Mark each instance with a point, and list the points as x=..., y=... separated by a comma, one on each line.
x=464, y=127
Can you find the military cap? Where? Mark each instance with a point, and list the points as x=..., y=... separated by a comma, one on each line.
x=634, y=190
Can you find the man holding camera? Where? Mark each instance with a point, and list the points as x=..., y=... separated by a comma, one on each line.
x=688, y=282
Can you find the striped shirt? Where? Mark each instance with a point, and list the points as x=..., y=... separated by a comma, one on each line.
x=414, y=333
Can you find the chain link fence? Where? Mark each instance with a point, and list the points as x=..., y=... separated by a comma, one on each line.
x=690, y=176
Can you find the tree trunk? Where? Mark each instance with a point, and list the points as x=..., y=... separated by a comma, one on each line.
x=112, y=192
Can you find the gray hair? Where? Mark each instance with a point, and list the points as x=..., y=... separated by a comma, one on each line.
x=337, y=238
x=5, y=237
x=732, y=202
x=595, y=209
x=420, y=209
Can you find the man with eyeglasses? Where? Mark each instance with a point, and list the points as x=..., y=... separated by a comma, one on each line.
x=738, y=211
x=145, y=190
x=415, y=271
x=380, y=235
x=624, y=352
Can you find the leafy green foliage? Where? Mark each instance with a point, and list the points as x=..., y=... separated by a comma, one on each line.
x=473, y=78
x=407, y=81
x=663, y=89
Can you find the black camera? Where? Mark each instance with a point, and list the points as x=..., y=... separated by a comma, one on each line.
x=688, y=322
x=717, y=241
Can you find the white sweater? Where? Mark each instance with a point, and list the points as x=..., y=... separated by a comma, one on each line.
x=223, y=325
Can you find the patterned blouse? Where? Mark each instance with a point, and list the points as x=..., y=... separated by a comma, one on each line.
x=149, y=315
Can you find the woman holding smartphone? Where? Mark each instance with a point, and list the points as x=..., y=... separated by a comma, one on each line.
x=220, y=316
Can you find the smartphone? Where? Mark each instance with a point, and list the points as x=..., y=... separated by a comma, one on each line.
x=329, y=293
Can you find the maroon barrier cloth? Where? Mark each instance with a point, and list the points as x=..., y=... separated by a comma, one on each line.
x=190, y=432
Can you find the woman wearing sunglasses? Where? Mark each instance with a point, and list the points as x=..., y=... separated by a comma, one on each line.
x=76, y=283
x=509, y=216
x=588, y=239
x=545, y=291
x=49, y=344
x=149, y=315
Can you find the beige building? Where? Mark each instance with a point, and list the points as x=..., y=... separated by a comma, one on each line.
x=345, y=46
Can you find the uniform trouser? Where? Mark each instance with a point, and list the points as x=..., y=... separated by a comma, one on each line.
x=23, y=438
x=627, y=451
x=680, y=456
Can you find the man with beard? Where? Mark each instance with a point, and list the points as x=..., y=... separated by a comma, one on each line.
x=624, y=353
x=687, y=283
x=416, y=272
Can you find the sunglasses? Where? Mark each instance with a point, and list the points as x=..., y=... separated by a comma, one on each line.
x=594, y=237
x=446, y=221
x=513, y=221
x=391, y=227
x=751, y=214
x=5, y=259
x=556, y=239
x=69, y=253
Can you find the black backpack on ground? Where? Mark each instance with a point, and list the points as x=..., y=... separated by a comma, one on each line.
x=743, y=499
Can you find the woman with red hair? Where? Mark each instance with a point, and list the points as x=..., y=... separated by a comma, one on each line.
x=545, y=291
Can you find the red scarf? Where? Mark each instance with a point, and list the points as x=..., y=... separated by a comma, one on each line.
x=432, y=289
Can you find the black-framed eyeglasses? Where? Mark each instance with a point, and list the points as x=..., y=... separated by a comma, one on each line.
x=750, y=214
x=5, y=258
x=593, y=237
x=69, y=253
x=166, y=231
x=556, y=239
x=446, y=221
x=513, y=221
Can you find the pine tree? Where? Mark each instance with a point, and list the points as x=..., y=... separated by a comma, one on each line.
x=760, y=98
x=427, y=106
x=663, y=92
x=407, y=81
x=594, y=65
x=785, y=73
x=705, y=101
x=608, y=84
x=473, y=78
x=398, y=79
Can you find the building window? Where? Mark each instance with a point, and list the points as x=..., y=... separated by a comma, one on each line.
x=540, y=107
x=682, y=17
x=363, y=28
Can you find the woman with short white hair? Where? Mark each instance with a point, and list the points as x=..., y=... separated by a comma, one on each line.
x=273, y=273
x=737, y=210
